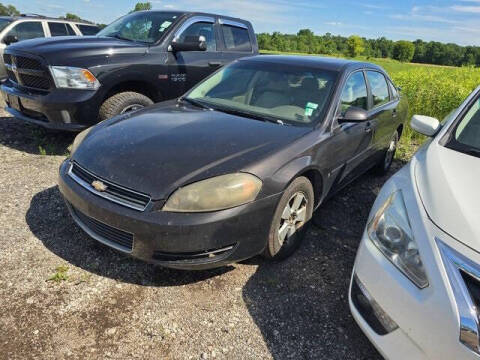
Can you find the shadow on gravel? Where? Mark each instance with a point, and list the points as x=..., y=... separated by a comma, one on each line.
x=301, y=304
x=33, y=139
x=49, y=221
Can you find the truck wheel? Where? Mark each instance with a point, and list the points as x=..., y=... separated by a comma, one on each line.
x=123, y=102
x=291, y=219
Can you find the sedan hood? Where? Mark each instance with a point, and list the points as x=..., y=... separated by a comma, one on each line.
x=158, y=149
x=67, y=49
x=447, y=181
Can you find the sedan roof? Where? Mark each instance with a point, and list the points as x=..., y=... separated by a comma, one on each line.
x=317, y=62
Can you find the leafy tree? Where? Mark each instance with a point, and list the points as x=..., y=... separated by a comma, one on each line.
x=8, y=10
x=403, y=51
x=140, y=6
x=70, y=16
x=355, y=46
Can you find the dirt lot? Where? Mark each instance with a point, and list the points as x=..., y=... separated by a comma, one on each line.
x=106, y=305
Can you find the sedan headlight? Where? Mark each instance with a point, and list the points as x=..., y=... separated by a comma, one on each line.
x=74, y=78
x=218, y=193
x=79, y=138
x=390, y=231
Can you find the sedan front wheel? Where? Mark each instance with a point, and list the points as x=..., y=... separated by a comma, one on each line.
x=291, y=219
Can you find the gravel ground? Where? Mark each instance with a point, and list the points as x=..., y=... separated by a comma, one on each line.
x=106, y=305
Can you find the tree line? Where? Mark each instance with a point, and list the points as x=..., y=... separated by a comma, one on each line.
x=419, y=51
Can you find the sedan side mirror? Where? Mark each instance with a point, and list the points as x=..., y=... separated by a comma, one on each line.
x=353, y=114
x=191, y=43
x=425, y=125
x=10, y=39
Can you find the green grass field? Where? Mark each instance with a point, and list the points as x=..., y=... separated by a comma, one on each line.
x=430, y=89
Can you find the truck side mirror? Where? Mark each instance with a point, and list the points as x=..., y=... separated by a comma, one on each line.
x=10, y=39
x=354, y=115
x=191, y=43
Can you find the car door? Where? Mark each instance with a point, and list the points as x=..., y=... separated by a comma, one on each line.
x=235, y=40
x=26, y=30
x=381, y=115
x=349, y=144
x=187, y=68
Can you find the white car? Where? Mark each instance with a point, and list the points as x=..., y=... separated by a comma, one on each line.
x=415, y=288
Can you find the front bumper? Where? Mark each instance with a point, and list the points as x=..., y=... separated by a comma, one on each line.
x=176, y=240
x=60, y=109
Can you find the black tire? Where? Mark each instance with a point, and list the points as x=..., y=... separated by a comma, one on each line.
x=277, y=249
x=123, y=102
x=383, y=166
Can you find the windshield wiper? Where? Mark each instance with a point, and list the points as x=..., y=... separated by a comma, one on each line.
x=196, y=103
x=120, y=37
x=251, y=115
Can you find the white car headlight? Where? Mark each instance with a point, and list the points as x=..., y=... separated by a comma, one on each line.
x=218, y=193
x=74, y=78
x=79, y=138
x=390, y=231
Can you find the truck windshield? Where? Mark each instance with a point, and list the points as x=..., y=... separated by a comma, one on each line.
x=146, y=26
x=4, y=23
x=273, y=92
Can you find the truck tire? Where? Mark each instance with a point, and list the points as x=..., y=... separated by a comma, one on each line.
x=123, y=102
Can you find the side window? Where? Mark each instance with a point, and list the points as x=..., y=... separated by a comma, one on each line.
x=201, y=29
x=379, y=88
x=70, y=30
x=27, y=30
x=236, y=39
x=57, y=29
x=354, y=93
x=88, y=30
x=393, y=90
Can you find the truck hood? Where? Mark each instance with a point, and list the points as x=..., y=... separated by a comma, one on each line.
x=72, y=48
x=158, y=149
x=447, y=181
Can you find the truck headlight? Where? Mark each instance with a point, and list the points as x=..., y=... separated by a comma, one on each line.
x=74, y=78
x=218, y=193
x=79, y=138
x=391, y=232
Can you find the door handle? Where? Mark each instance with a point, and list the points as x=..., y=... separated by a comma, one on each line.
x=214, y=63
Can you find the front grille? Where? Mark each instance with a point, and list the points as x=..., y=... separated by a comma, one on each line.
x=104, y=232
x=28, y=72
x=28, y=63
x=199, y=256
x=113, y=192
x=35, y=81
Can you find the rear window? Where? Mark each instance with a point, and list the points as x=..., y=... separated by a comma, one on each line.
x=58, y=29
x=88, y=29
x=236, y=39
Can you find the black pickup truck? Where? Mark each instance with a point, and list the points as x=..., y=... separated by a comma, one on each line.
x=70, y=83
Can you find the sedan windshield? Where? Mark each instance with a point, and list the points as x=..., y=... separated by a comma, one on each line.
x=146, y=26
x=466, y=136
x=265, y=91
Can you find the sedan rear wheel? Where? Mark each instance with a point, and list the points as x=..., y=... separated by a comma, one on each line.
x=290, y=221
x=383, y=167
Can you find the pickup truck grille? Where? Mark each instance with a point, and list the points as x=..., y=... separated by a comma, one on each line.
x=28, y=72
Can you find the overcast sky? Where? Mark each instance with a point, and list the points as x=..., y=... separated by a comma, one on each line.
x=444, y=20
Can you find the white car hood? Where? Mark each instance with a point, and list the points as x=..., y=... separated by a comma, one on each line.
x=448, y=182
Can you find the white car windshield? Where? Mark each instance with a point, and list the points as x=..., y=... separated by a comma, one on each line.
x=466, y=135
x=294, y=95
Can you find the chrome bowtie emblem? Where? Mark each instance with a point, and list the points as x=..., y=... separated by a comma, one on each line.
x=99, y=186
x=14, y=68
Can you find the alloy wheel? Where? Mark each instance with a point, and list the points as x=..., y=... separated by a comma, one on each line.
x=390, y=153
x=293, y=216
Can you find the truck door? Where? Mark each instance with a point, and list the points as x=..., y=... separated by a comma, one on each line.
x=235, y=40
x=187, y=68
